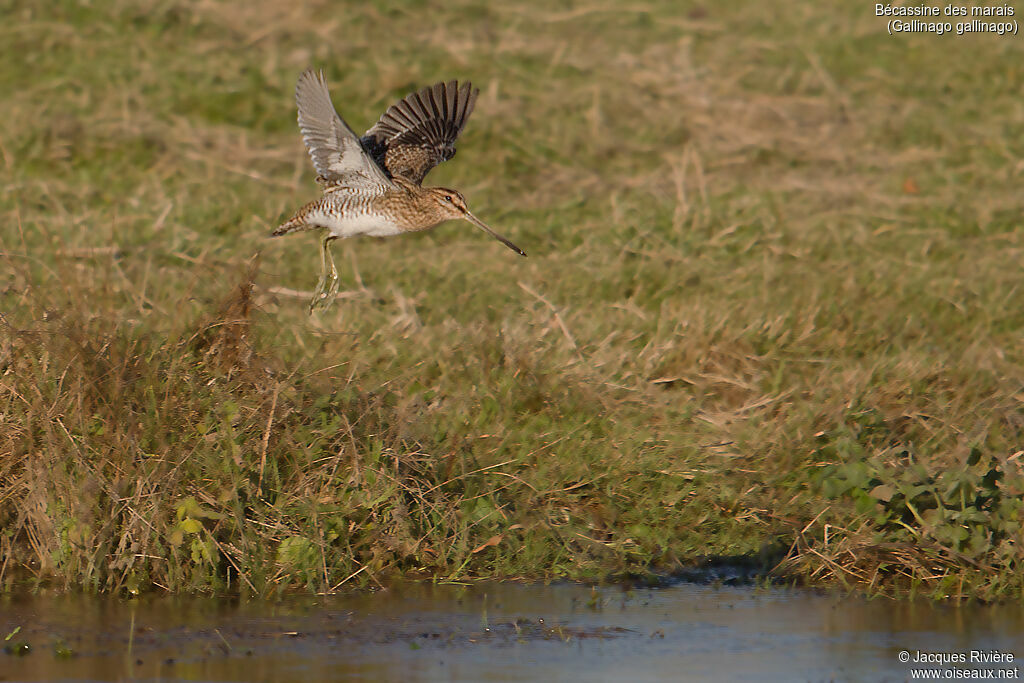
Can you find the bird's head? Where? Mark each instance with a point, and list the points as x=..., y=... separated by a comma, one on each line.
x=451, y=205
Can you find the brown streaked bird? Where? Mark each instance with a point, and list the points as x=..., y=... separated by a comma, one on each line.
x=372, y=185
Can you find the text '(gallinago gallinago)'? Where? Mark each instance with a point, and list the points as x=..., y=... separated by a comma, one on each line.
x=372, y=185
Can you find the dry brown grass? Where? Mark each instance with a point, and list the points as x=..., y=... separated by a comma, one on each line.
x=766, y=243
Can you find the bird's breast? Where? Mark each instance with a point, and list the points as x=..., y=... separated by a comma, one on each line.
x=351, y=218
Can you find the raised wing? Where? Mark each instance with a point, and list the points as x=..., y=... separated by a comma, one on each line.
x=337, y=154
x=418, y=132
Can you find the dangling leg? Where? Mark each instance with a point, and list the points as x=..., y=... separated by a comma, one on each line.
x=327, y=287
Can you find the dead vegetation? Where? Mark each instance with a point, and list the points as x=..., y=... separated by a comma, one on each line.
x=771, y=298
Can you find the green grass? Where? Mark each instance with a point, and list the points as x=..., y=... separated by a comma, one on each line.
x=770, y=310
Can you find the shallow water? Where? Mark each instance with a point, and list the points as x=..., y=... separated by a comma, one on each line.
x=499, y=632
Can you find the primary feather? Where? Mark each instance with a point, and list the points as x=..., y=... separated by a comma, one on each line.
x=419, y=131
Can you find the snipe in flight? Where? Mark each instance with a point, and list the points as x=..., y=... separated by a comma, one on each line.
x=372, y=185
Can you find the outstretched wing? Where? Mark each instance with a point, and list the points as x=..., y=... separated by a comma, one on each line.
x=418, y=132
x=337, y=154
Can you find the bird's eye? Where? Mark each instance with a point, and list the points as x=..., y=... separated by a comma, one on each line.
x=448, y=198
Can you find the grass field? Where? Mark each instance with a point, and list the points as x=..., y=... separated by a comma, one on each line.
x=771, y=310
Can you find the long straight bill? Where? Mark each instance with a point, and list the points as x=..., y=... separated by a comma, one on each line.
x=483, y=226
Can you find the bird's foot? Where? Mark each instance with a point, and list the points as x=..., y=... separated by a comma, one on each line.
x=327, y=286
x=325, y=292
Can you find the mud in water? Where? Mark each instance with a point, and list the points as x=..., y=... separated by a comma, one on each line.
x=497, y=632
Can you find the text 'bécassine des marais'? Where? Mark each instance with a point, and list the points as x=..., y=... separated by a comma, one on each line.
x=882, y=10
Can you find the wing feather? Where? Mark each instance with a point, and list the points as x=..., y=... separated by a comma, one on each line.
x=337, y=153
x=419, y=131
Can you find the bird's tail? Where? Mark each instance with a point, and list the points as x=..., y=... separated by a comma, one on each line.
x=297, y=222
